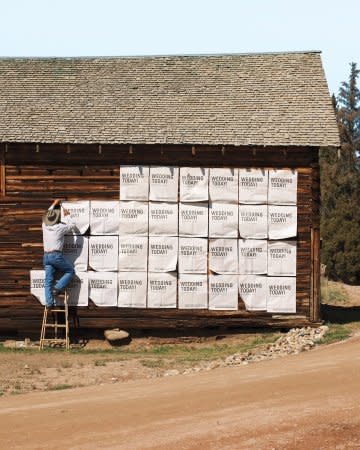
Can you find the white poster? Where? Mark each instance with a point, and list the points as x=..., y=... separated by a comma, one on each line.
x=223, y=220
x=223, y=255
x=164, y=184
x=253, y=292
x=134, y=183
x=282, y=186
x=79, y=213
x=252, y=257
x=193, y=291
x=163, y=219
x=253, y=221
x=282, y=258
x=133, y=218
x=282, y=222
x=103, y=253
x=281, y=295
x=163, y=254
x=132, y=289
x=194, y=184
x=103, y=288
x=37, y=285
x=104, y=217
x=162, y=288
x=133, y=253
x=193, y=253
x=223, y=185
x=253, y=186
x=193, y=219
x=223, y=292
x=78, y=289
x=76, y=251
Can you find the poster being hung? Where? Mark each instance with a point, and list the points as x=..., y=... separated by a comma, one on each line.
x=282, y=222
x=76, y=251
x=252, y=256
x=164, y=184
x=104, y=217
x=132, y=289
x=193, y=219
x=223, y=220
x=134, y=183
x=223, y=255
x=224, y=185
x=282, y=258
x=282, y=186
x=253, y=221
x=194, y=184
x=133, y=218
x=163, y=253
x=103, y=288
x=163, y=219
x=78, y=289
x=281, y=295
x=253, y=186
x=253, y=291
x=79, y=213
x=193, y=291
x=103, y=253
x=193, y=254
x=133, y=253
x=223, y=292
x=162, y=288
x=37, y=285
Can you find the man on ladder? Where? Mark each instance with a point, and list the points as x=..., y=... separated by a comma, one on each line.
x=53, y=238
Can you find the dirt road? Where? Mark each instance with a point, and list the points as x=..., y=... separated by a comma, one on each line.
x=309, y=401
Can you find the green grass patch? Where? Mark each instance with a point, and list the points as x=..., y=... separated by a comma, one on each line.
x=332, y=293
x=60, y=387
x=152, y=363
x=100, y=362
x=336, y=333
x=190, y=354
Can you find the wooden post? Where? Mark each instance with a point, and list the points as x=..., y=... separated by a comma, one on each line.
x=315, y=245
x=315, y=275
x=2, y=171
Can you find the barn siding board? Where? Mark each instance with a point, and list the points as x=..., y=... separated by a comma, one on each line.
x=31, y=179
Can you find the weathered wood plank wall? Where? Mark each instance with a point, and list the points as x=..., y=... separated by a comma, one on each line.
x=32, y=176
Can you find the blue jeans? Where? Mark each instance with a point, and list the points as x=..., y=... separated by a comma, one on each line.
x=56, y=262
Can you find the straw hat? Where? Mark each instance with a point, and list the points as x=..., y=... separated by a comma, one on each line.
x=52, y=217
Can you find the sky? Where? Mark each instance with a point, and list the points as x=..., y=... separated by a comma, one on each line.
x=61, y=28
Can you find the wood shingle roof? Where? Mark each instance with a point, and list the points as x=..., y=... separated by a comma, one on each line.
x=254, y=99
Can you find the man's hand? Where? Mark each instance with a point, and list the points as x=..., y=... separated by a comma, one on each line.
x=55, y=203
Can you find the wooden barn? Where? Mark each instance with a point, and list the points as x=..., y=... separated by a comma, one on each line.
x=68, y=124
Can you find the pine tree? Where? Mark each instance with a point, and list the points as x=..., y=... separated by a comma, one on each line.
x=348, y=115
x=340, y=215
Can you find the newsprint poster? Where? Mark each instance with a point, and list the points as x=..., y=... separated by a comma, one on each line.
x=104, y=217
x=79, y=214
x=162, y=288
x=193, y=291
x=134, y=183
x=103, y=288
x=164, y=183
x=223, y=292
x=253, y=291
x=132, y=289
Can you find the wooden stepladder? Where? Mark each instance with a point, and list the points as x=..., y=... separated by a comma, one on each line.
x=59, y=323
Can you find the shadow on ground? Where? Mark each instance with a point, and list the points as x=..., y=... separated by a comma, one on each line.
x=340, y=314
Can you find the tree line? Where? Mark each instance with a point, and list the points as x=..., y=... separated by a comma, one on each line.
x=340, y=188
